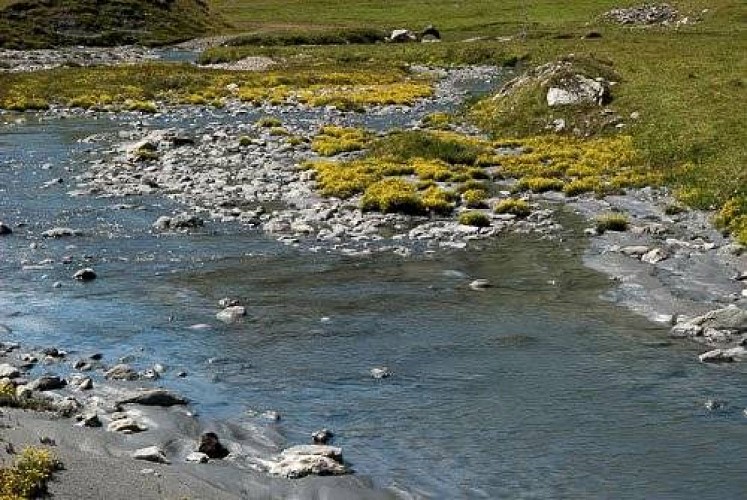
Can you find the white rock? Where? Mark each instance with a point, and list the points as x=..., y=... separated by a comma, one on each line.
x=231, y=314
x=150, y=454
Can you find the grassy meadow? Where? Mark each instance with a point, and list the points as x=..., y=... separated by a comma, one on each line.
x=687, y=85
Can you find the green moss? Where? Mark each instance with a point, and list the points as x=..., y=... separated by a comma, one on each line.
x=334, y=140
x=539, y=184
x=474, y=198
x=448, y=147
x=514, y=206
x=474, y=218
x=269, y=122
x=438, y=121
x=392, y=195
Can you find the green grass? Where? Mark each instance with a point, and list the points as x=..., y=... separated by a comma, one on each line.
x=455, y=20
x=44, y=23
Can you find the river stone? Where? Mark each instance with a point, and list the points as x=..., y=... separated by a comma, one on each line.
x=61, y=232
x=155, y=397
x=197, y=457
x=480, y=284
x=86, y=274
x=185, y=221
x=121, y=372
x=47, y=383
x=5, y=229
x=654, y=256
x=322, y=436
x=578, y=90
x=731, y=318
x=304, y=460
x=211, y=446
x=231, y=314
x=381, y=372
x=635, y=251
x=723, y=355
x=126, y=425
x=9, y=371
x=150, y=454
x=88, y=420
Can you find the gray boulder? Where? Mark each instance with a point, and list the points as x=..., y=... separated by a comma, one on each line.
x=61, y=232
x=121, y=372
x=155, y=397
x=578, y=90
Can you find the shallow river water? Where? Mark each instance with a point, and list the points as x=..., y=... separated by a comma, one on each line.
x=535, y=388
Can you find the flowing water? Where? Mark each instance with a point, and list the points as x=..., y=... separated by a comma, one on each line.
x=534, y=388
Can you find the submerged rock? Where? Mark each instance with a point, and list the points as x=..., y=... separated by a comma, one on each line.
x=381, y=372
x=480, y=284
x=5, y=229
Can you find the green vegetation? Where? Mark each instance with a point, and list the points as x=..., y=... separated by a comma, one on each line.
x=119, y=87
x=330, y=36
x=612, y=222
x=514, y=206
x=28, y=477
x=45, y=23
x=334, y=140
x=269, y=122
x=474, y=218
x=392, y=195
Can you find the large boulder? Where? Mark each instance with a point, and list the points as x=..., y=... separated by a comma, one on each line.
x=304, y=460
x=121, y=372
x=155, y=397
x=578, y=90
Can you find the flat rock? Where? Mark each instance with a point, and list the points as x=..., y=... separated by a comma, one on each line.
x=61, y=232
x=723, y=355
x=731, y=318
x=150, y=454
x=197, y=457
x=304, y=460
x=121, y=372
x=155, y=397
x=9, y=371
x=126, y=425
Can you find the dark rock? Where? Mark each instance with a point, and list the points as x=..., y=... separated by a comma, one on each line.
x=323, y=436
x=5, y=229
x=47, y=383
x=86, y=274
x=211, y=446
x=155, y=397
x=430, y=31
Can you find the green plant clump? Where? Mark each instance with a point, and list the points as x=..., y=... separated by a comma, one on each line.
x=392, y=195
x=514, y=206
x=474, y=218
x=612, y=222
x=29, y=476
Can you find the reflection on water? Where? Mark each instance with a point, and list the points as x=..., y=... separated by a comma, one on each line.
x=532, y=388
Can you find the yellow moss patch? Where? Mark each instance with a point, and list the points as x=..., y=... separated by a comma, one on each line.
x=474, y=218
x=514, y=206
x=334, y=140
x=392, y=195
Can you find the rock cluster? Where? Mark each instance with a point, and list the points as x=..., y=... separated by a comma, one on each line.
x=646, y=14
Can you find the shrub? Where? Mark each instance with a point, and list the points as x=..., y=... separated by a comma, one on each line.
x=28, y=478
x=334, y=140
x=612, y=222
x=579, y=186
x=269, y=122
x=474, y=218
x=392, y=195
x=474, y=198
x=514, y=206
x=438, y=201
